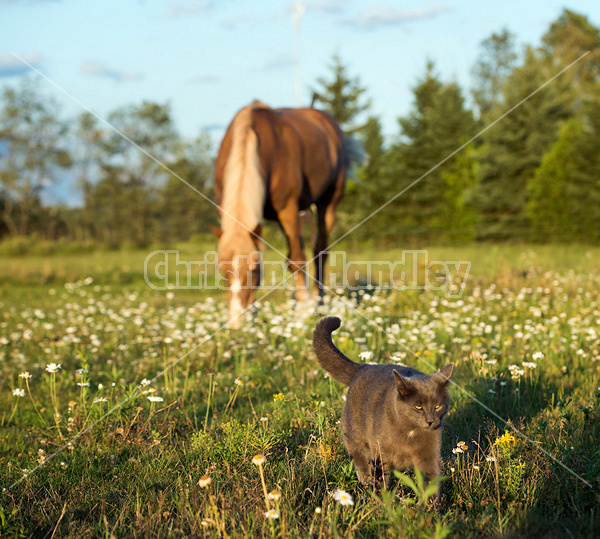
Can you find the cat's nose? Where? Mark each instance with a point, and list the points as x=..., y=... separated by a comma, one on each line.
x=430, y=423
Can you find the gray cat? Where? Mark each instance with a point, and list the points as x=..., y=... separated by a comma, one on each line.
x=393, y=415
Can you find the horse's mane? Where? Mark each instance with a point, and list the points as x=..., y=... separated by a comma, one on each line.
x=243, y=184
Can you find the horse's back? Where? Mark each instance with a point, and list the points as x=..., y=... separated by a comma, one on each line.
x=301, y=152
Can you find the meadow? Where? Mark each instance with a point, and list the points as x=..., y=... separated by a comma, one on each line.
x=171, y=425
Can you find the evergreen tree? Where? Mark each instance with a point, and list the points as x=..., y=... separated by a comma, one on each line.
x=567, y=39
x=363, y=195
x=343, y=97
x=436, y=127
x=494, y=65
x=548, y=206
x=564, y=193
x=513, y=149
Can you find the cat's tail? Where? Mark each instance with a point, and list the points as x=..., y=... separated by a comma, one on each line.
x=331, y=359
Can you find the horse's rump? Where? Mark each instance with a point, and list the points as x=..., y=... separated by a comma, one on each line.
x=301, y=155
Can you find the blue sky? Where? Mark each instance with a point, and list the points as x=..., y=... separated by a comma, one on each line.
x=208, y=58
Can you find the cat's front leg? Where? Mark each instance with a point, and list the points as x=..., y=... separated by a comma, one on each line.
x=363, y=469
x=380, y=474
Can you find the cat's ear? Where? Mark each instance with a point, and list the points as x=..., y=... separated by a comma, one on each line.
x=405, y=387
x=445, y=374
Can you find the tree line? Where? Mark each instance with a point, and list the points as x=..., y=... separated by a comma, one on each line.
x=531, y=176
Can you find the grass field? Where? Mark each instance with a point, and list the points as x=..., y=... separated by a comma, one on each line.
x=176, y=459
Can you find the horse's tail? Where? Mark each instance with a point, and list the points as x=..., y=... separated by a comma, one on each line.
x=331, y=359
x=243, y=183
x=355, y=150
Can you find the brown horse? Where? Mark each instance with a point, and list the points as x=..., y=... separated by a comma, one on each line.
x=272, y=164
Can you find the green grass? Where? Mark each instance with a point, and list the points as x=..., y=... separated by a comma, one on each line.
x=259, y=390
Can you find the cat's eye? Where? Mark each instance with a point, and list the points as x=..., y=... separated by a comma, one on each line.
x=419, y=407
x=438, y=406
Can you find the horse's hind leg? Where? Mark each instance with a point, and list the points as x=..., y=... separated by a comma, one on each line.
x=321, y=249
x=325, y=222
x=289, y=220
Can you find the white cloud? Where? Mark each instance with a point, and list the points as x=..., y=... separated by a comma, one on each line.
x=280, y=61
x=384, y=15
x=91, y=67
x=327, y=6
x=241, y=19
x=11, y=66
x=189, y=8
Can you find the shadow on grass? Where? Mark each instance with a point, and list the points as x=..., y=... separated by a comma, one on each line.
x=550, y=501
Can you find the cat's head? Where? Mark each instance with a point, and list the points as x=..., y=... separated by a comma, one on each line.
x=424, y=401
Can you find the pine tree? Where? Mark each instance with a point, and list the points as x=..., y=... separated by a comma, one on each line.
x=513, y=149
x=494, y=65
x=548, y=206
x=363, y=194
x=436, y=127
x=564, y=193
x=567, y=39
x=343, y=97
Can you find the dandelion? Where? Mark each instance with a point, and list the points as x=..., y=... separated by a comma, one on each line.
x=475, y=467
x=272, y=514
x=457, y=450
x=342, y=497
x=318, y=510
x=25, y=375
x=204, y=481
x=153, y=398
x=53, y=367
x=238, y=382
x=264, y=419
x=366, y=355
x=144, y=382
x=100, y=399
x=259, y=460
x=490, y=459
x=452, y=470
x=18, y=392
x=83, y=384
x=537, y=355
x=530, y=364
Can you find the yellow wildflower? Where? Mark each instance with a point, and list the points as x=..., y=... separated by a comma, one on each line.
x=505, y=439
